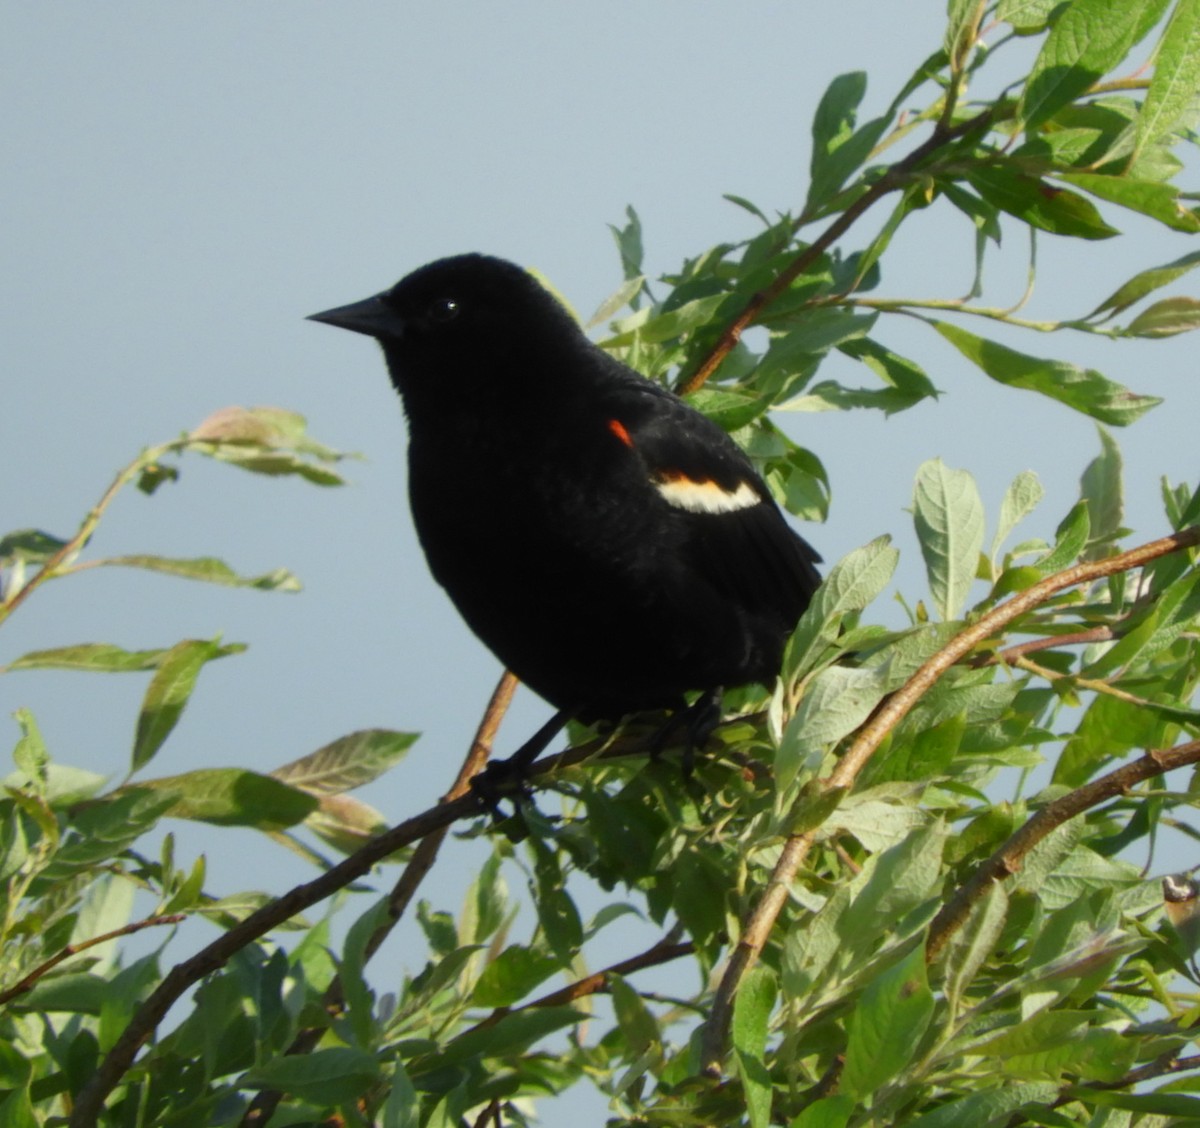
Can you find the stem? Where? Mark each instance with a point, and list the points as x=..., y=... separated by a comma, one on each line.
x=53, y=564
x=30, y=980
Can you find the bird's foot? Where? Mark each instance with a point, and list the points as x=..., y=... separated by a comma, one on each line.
x=509, y=778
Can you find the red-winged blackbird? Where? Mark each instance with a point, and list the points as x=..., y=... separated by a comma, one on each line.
x=609, y=544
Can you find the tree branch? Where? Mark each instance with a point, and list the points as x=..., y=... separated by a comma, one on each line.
x=262, y=1108
x=897, y=176
x=1011, y=856
x=30, y=980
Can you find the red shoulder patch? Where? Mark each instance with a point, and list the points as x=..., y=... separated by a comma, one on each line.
x=618, y=429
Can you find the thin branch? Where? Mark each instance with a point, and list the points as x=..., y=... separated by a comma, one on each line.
x=87, y=527
x=758, y=925
x=262, y=1108
x=1011, y=856
x=142, y=1025
x=1096, y=685
x=663, y=951
x=1010, y=655
x=1160, y=1067
x=70, y=950
x=896, y=177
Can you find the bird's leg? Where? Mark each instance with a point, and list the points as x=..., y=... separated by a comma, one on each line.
x=507, y=777
x=698, y=720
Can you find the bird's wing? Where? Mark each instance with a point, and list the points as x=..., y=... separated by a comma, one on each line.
x=735, y=532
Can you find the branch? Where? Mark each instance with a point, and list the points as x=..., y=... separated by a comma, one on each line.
x=262, y=1108
x=897, y=176
x=1009, y=655
x=91, y=1097
x=75, y=545
x=70, y=950
x=663, y=951
x=757, y=927
x=1011, y=856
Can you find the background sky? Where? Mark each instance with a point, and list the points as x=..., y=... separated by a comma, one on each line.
x=184, y=183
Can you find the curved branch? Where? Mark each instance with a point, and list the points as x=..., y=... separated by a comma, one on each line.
x=896, y=177
x=1011, y=856
x=757, y=927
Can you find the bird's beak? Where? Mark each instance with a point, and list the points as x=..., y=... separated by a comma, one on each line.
x=372, y=316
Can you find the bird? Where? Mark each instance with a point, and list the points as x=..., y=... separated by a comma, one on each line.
x=613, y=547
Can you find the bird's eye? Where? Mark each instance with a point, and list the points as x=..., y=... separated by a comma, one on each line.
x=442, y=310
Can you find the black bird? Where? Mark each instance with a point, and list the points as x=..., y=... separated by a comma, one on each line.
x=609, y=544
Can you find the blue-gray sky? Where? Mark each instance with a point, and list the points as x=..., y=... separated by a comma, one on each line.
x=184, y=183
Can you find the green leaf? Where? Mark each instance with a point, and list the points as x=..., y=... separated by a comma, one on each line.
x=1039, y=203
x=345, y=822
x=207, y=569
x=30, y=755
x=972, y=944
x=1165, y=318
x=1102, y=488
x=1088, y=40
x=751, y=1015
x=828, y=1112
x=556, y=910
x=169, y=691
x=835, y=703
x=639, y=1027
x=97, y=656
x=1146, y=282
x=1070, y=537
x=324, y=1077
x=348, y=762
x=265, y=440
x=30, y=545
x=990, y=1106
x=629, y=243
x=906, y=380
x=887, y=1025
x=512, y=975
x=948, y=514
x=1020, y=499
x=403, y=1107
x=1027, y=16
x=1176, y=76
x=962, y=25
x=230, y=797
x=838, y=149
x=1147, y=197
x=1083, y=389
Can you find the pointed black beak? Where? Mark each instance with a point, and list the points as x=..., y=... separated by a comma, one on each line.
x=372, y=316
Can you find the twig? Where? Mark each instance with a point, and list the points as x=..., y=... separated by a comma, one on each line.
x=262, y=1108
x=1011, y=856
x=894, y=178
x=669, y=948
x=1010, y=654
x=70, y=950
x=52, y=564
x=757, y=927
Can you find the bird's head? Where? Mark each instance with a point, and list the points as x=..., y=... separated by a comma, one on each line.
x=462, y=322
